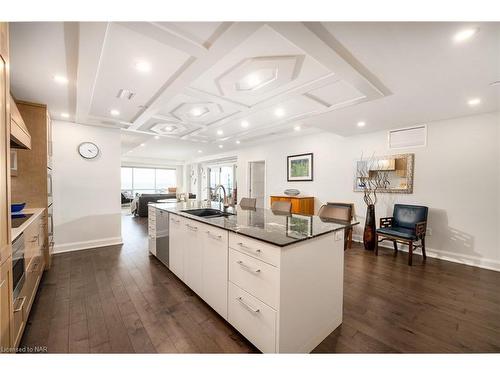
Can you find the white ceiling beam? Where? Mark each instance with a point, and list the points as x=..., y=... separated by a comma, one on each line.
x=71, y=31
x=318, y=43
x=90, y=48
x=166, y=36
x=230, y=39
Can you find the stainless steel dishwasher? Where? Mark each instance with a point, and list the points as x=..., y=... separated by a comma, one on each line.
x=158, y=234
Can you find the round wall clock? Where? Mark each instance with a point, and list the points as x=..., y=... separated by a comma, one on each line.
x=88, y=150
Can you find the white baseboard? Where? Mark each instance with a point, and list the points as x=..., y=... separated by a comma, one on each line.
x=469, y=260
x=83, y=245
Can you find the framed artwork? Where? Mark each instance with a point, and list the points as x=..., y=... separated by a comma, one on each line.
x=300, y=167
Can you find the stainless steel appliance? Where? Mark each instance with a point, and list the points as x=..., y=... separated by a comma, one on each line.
x=18, y=266
x=162, y=247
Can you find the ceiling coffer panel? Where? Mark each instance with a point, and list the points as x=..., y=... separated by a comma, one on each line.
x=202, y=112
x=335, y=93
x=195, y=110
x=258, y=75
x=170, y=127
x=119, y=84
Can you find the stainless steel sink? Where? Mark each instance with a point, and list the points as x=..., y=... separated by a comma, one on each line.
x=207, y=212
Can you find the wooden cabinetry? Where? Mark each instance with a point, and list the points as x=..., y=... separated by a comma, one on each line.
x=300, y=205
x=33, y=183
x=34, y=265
x=5, y=303
x=5, y=235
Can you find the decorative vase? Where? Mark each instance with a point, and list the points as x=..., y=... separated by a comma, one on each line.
x=369, y=232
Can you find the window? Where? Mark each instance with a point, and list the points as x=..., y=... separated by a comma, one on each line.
x=222, y=175
x=147, y=180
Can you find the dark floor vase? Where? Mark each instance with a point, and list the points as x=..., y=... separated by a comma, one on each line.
x=369, y=233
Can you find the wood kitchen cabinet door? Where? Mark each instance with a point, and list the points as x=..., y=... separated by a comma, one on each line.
x=5, y=303
x=5, y=240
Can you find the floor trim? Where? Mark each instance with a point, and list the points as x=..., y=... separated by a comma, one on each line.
x=84, y=245
x=485, y=263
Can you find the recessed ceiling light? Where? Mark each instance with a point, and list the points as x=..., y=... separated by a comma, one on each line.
x=168, y=128
x=114, y=112
x=297, y=128
x=465, y=34
x=199, y=151
x=196, y=112
x=253, y=80
x=143, y=66
x=220, y=132
x=65, y=115
x=473, y=102
x=220, y=146
x=361, y=124
x=279, y=112
x=62, y=80
x=142, y=144
x=157, y=137
x=238, y=142
x=245, y=124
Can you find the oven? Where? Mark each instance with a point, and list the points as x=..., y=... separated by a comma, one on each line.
x=18, y=264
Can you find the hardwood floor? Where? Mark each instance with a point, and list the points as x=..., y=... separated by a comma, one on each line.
x=120, y=300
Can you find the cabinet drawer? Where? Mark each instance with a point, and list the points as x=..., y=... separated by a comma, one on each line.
x=257, y=249
x=19, y=317
x=255, y=320
x=256, y=277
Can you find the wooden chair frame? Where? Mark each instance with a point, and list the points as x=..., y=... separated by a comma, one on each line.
x=420, y=229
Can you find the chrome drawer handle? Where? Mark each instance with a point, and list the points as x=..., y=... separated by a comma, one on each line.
x=214, y=235
x=191, y=227
x=252, y=309
x=247, y=267
x=247, y=247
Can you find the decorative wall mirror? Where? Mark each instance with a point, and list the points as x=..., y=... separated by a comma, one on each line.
x=386, y=174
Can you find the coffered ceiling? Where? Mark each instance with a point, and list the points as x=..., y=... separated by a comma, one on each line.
x=206, y=86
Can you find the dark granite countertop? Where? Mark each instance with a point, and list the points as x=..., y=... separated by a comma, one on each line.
x=261, y=224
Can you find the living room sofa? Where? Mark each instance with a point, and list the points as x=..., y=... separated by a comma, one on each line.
x=144, y=199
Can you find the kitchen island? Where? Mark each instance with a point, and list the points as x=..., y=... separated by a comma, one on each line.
x=277, y=278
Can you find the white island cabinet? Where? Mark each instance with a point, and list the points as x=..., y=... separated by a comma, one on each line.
x=283, y=299
x=198, y=256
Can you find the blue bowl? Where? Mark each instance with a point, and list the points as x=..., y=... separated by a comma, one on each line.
x=17, y=207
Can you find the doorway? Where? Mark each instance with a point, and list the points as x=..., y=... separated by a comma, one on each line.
x=257, y=181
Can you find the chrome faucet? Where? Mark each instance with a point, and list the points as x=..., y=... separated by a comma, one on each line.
x=225, y=201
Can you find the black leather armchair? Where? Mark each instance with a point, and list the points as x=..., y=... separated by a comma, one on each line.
x=407, y=225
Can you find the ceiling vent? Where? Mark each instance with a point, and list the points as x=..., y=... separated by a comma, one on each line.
x=125, y=94
x=415, y=136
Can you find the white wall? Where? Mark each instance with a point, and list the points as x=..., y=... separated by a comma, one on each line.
x=87, y=206
x=456, y=176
